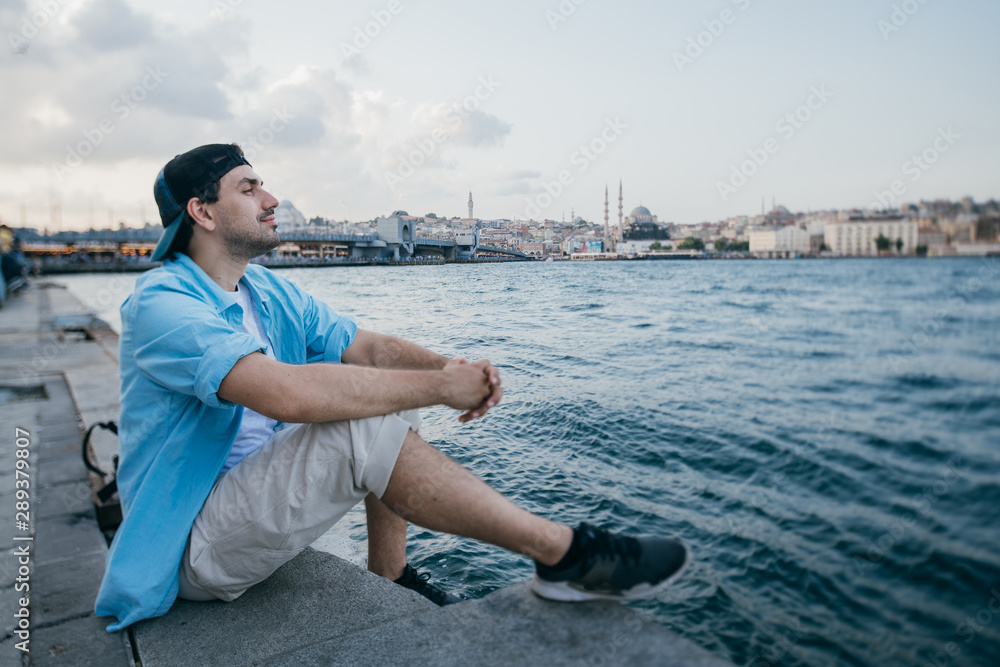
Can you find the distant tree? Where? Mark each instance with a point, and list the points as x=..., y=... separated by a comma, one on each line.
x=722, y=245
x=655, y=245
x=317, y=221
x=691, y=243
x=882, y=243
x=921, y=250
x=899, y=245
x=432, y=216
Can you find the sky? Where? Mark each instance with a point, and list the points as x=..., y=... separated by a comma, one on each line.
x=351, y=110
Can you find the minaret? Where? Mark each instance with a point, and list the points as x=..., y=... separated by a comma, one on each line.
x=605, y=211
x=621, y=228
x=470, y=205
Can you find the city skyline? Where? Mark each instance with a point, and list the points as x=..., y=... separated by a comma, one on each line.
x=352, y=112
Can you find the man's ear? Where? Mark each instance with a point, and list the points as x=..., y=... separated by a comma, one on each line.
x=201, y=214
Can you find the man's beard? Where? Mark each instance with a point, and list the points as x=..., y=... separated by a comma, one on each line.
x=244, y=243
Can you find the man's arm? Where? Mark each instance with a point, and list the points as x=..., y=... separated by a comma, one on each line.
x=383, y=351
x=310, y=393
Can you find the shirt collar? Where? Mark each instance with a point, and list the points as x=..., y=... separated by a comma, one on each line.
x=184, y=266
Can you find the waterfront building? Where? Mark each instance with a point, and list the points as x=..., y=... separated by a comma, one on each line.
x=787, y=241
x=931, y=237
x=976, y=249
x=642, y=233
x=398, y=232
x=856, y=236
x=467, y=243
x=536, y=249
x=988, y=229
x=287, y=217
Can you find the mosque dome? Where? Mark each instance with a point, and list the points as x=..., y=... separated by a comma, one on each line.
x=640, y=212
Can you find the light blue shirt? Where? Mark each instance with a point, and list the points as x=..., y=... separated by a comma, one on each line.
x=181, y=335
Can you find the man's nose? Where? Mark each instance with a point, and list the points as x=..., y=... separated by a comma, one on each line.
x=269, y=201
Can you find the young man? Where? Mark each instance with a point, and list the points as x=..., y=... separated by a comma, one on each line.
x=254, y=417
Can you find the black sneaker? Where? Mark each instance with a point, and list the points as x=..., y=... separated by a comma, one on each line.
x=613, y=567
x=420, y=582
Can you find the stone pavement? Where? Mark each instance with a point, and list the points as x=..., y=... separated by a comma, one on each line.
x=60, y=574
x=58, y=372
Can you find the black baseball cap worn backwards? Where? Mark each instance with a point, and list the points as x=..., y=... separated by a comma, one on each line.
x=184, y=177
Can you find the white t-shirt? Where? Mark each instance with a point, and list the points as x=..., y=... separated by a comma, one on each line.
x=255, y=429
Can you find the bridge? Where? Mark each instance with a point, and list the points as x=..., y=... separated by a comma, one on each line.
x=129, y=245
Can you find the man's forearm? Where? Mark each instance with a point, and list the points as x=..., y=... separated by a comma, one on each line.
x=329, y=392
x=384, y=351
x=334, y=392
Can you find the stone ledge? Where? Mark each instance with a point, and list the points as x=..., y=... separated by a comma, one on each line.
x=321, y=610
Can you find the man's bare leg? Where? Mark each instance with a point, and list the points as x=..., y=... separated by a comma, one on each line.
x=429, y=489
x=386, y=539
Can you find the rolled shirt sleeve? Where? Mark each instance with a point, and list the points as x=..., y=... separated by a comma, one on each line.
x=328, y=334
x=189, y=346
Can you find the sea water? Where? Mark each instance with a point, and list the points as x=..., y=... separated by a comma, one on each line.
x=823, y=434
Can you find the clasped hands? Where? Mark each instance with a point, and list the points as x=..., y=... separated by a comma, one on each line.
x=476, y=387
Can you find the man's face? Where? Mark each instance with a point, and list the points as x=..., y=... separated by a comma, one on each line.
x=245, y=214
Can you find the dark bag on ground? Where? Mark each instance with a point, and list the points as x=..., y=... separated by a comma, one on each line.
x=103, y=486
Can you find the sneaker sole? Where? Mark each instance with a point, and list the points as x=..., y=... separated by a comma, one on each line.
x=561, y=591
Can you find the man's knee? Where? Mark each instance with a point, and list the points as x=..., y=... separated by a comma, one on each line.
x=416, y=490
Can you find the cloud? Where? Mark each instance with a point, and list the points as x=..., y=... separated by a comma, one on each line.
x=111, y=83
x=516, y=188
x=104, y=89
x=111, y=25
x=508, y=180
x=358, y=64
x=483, y=129
x=509, y=174
x=463, y=126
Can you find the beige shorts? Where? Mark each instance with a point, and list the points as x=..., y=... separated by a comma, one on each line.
x=281, y=498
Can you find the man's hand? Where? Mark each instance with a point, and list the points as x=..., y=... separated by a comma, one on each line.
x=492, y=376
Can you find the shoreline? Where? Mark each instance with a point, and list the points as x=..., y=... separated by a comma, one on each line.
x=69, y=268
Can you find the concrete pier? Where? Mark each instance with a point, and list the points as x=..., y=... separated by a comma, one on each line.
x=59, y=374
